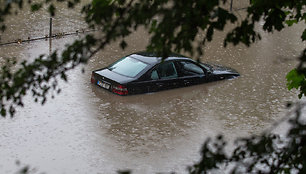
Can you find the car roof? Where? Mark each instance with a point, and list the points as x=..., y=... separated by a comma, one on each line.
x=153, y=58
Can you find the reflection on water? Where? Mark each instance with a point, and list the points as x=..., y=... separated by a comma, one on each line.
x=138, y=120
x=89, y=130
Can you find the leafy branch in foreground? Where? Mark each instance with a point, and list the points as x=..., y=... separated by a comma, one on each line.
x=174, y=26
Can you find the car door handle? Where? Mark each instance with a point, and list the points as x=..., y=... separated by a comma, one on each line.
x=159, y=84
x=186, y=82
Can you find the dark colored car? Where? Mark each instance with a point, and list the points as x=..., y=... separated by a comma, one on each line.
x=145, y=72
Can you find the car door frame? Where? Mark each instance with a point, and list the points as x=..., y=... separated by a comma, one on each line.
x=187, y=80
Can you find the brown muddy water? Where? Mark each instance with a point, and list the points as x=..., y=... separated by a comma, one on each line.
x=86, y=129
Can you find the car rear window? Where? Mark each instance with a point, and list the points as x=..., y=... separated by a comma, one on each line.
x=128, y=66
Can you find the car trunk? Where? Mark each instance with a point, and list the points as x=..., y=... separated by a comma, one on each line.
x=111, y=81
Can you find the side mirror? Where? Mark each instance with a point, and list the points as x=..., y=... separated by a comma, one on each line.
x=208, y=72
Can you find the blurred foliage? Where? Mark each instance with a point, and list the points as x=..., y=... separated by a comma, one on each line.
x=174, y=26
x=265, y=153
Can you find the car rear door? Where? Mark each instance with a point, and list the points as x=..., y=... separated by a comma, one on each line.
x=163, y=76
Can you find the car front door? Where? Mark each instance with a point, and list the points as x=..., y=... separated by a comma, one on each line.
x=190, y=73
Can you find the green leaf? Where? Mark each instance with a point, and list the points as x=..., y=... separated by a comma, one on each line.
x=304, y=35
x=291, y=22
x=210, y=33
x=63, y=76
x=121, y=2
x=35, y=7
x=51, y=10
x=2, y=28
x=294, y=79
x=3, y=112
x=123, y=44
x=70, y=4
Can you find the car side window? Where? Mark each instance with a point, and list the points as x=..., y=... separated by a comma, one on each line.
x=189, y=69
x=165, y=70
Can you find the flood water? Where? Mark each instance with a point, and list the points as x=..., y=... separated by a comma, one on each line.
x=86, y=129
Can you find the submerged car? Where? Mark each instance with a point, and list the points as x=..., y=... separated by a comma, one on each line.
x=145, y=72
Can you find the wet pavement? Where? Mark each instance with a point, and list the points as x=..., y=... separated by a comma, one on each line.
x=86, y=129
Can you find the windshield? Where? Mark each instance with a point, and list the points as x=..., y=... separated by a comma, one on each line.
x=128, y=66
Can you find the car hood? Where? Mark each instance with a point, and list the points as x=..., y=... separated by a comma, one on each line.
x=110, y=75
x=219, y=69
